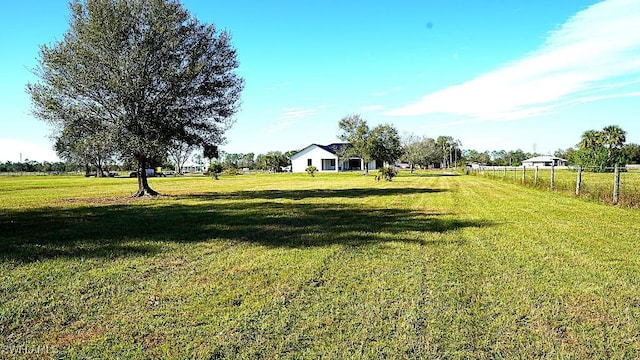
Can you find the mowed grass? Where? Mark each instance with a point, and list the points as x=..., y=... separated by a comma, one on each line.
x=335, y=266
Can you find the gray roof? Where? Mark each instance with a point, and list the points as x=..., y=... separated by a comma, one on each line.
x=334, y=148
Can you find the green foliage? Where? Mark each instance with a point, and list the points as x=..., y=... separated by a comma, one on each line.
x=355, y=131
x=238, y=160
x=381, y=143
x=478, y=157
x=599, y=150
x=141, y=74
x=421, y=151
x=311, y=170
x=272, y=161
x=34, y=166
x=179, y=153
x=388, y=172
x=215, y=169
x=384, y=143
x=592, y=159
x=232, y=171
x=631, y=153
x=84, y=147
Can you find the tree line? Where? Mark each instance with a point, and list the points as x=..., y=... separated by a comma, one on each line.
x=597, y=150
x=601, y=150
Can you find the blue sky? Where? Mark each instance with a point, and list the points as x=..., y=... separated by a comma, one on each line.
x=493, y=74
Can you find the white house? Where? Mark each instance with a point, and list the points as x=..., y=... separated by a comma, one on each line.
x=544, y=161
x=191, y=167
x=326, y=158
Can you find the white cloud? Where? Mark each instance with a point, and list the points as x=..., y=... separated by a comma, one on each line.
x=296, y=113
x=289, y=116
x=12, y=149
x=595, y=46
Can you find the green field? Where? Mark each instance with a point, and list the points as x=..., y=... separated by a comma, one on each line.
x=594, y=186
x=335, y=266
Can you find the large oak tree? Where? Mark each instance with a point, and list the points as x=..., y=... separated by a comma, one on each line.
x=141, y=73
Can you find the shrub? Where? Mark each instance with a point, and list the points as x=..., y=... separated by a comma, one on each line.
x=388, y=172
x=311, y=170
x=215, y=169
x=232, y=171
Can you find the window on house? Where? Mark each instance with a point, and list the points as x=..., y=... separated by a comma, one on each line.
x=308, y=162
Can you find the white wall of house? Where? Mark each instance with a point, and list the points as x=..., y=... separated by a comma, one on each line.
x=544, y=161
x=316, y=156
x=323, y=160
x=191, y=167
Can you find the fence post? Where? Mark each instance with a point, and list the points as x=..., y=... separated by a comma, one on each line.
x=553, y=176
x=505, y=172
x=535, y=177
x=579, y=180
x=524, y=171
x=616, y=185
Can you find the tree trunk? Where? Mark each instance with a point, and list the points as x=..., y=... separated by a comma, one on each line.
x=143, y=184
x=99, y=171
x=365, y=165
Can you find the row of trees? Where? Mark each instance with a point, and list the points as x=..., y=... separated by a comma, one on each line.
x=597, y=150
x=426, y=152
x=602, y=149
x=34, y=166
x=383, y=144
x=497, y=157
x=270, y=161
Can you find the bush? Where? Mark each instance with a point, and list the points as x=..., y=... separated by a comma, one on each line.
x=215, y=169
x=388, y=172
x=232, y=171
x=311, y=170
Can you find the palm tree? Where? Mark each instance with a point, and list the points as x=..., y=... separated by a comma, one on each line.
x=613, y=137
x=590, y=139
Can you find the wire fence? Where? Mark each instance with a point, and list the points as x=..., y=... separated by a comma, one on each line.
x=618, y=185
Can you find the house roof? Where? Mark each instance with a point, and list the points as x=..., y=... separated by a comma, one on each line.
x=334, y=148
x=544, y=158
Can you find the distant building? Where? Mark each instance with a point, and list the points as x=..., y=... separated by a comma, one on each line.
x=191, y=167
x=327, y=158
x=544, y=161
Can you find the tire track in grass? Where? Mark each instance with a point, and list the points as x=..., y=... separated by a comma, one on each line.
x=460, y=313
x=262, y=331
x=535, y=287
x=366, y=305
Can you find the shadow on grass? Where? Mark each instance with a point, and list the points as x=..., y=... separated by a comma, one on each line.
x=310, y=193
x=136, y=229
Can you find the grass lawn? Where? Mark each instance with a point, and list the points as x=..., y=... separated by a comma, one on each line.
x=336, y=266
